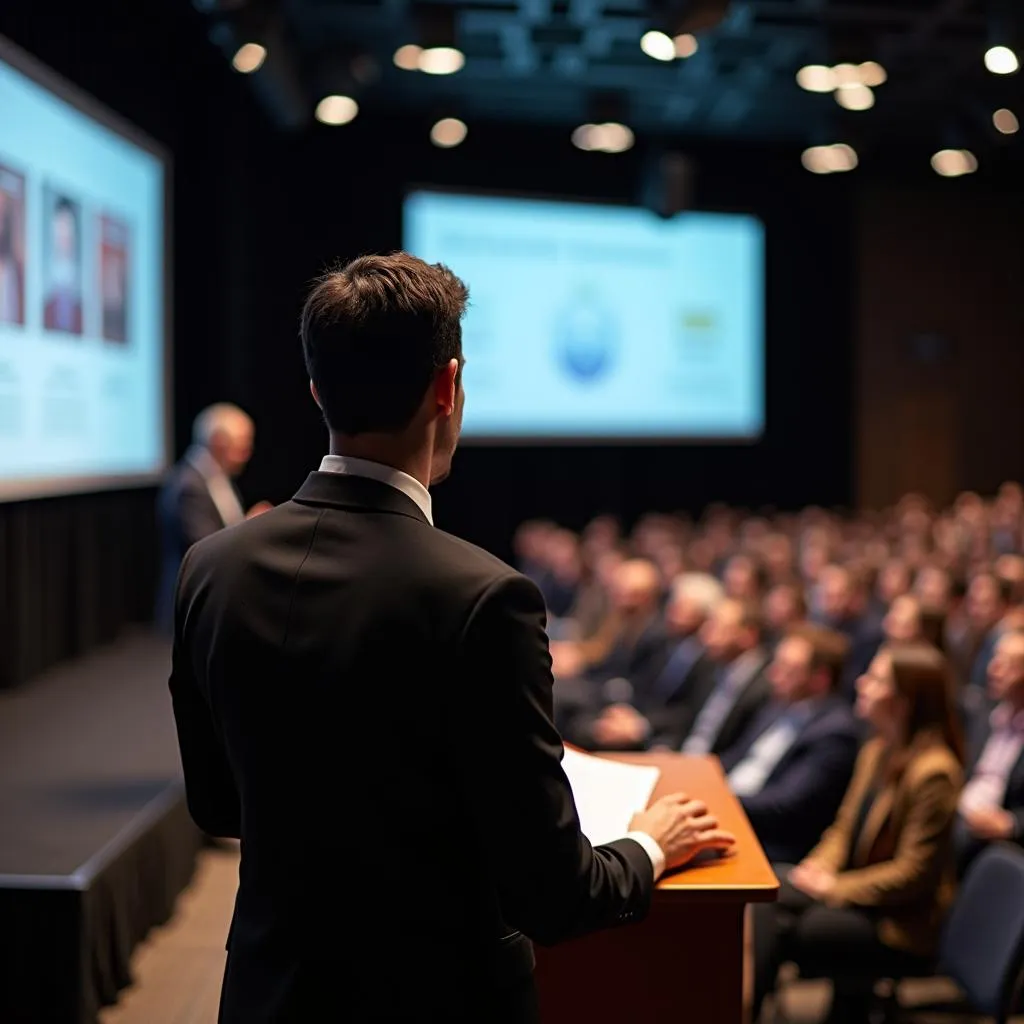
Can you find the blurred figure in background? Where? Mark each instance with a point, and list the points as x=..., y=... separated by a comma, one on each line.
x=988, y=600
x=784, y=608
x=199, y=496
x=992, y=805
x=652, y=709
x=841, y=604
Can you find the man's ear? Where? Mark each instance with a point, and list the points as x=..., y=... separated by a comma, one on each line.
x=316, y=394
x=445, y=387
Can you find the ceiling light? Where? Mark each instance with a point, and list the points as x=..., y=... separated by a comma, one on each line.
x=408, y=57
x=816, y=78
x=441, y=60
x=1006, y=122
x=685, y=45
x=610, y=137
x=952, y=163
x=873, y=74
x=1001, y=60
x=336, y=110
x=855, y=97
x=832, y=159
x=658, y=46
x=847, y=74
x=448, y=132
x=249, y=58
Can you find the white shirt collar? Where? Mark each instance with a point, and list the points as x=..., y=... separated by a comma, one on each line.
x=408, y=485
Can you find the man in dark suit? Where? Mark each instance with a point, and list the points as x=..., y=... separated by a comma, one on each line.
x=791, y=767
x=198, y=497
x=992, y=803
x=628, y=721
x=723, y=699
x=366, y=702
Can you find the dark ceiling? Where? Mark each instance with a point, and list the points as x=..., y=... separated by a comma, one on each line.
x=558, y=61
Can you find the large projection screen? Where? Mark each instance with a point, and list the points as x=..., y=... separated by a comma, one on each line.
x=590, y=322
x=84, y=289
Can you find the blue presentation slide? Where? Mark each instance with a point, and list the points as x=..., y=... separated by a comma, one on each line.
x=596, y=321
x=81, y=295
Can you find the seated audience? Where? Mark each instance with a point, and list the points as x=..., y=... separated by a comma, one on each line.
x=589, y=675
x=791, y=767
x=841, y=604
x=629, y=726
x=992, y=804
x=870, y=898
x=988, y=601
x=784, y=608
x=723, y=701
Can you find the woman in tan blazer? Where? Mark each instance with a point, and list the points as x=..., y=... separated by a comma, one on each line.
x=869, y=900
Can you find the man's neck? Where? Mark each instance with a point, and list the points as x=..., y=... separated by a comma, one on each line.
x=387, y=452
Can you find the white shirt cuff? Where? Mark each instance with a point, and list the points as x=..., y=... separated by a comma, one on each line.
x=652, y=849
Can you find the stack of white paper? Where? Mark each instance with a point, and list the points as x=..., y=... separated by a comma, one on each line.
x=607, y=793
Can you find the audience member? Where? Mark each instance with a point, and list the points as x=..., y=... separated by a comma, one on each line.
x=870, y=898
x=992, y=804
x=841, y=604
x=784, y=608
x=719, y=709
x=635, y=644
x=630, y=726
x=792, y=766
x=988, y=600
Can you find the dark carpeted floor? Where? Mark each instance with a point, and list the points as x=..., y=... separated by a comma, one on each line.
x=82, y=751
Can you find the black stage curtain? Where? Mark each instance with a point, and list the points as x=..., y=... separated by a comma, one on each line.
x=74, y=572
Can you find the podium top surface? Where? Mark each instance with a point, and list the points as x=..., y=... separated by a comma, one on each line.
x=744, y=876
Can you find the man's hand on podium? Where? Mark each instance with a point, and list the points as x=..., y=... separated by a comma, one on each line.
x=682, y=828
x=258, y=509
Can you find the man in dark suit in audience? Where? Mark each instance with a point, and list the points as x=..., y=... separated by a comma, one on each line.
x=199, y=497
x=718, y=698
x=791, y=767
x=629, y=719
x=362, y=698
x=992, y=803
x=841, y=604
x=638, y=649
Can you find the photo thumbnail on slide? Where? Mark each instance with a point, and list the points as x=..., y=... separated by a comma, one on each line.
x=114, y=261
x=12, y=246
x=62, y=262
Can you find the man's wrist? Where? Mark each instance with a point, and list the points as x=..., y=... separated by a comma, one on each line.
x=652, y=849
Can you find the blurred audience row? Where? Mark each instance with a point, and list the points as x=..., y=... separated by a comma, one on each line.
x=860, y=678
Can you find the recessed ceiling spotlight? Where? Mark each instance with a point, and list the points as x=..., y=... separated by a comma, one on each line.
x=658, y=46
x=335, y=110
x=954, y=163
x=855, y=97
x=1006, y=122
x=1001, y=60
x=816, y=78
x=408, y=57
x=249, y=58
x=441, y=60
x=448, y=132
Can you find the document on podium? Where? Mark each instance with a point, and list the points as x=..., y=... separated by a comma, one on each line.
x=607, y=793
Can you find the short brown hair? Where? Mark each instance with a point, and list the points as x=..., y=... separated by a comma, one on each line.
x=374, y=334
x=829, y=649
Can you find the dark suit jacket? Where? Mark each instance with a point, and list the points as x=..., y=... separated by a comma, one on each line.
x=366, y=702
x=967, y=847
x=803, y=791
x=675, y=724
x=185, y=514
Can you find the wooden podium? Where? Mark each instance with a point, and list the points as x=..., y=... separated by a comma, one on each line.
x=685, y=961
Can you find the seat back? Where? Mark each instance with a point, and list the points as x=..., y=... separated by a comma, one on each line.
x=982, y=947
